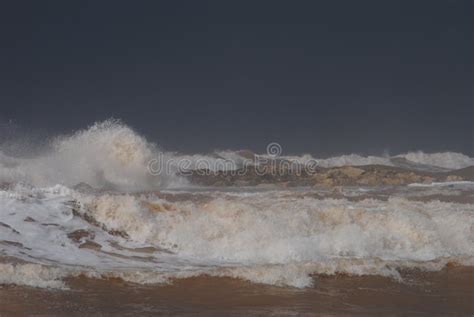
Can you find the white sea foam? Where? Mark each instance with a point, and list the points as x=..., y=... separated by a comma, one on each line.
x=32, y=275
x=108, y=154
x=354, y=160
x=441, y=184
x=449, y=160
x=445, y=160
x=278, y=238
x=276, y=230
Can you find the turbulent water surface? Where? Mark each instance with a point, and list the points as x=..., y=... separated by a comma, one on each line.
x=87, y=207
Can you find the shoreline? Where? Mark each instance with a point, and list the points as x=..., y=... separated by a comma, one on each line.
x=447, y=292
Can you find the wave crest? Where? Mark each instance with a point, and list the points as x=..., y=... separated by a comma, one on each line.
x=108, y=154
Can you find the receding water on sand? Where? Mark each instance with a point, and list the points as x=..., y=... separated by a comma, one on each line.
x=445, y=293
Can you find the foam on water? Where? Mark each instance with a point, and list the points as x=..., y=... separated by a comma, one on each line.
x=448, y=160
x=278, y=238
x=32, y=275
x=442, y=184
x=108, y=154
x=346, y=160
x=277, y=230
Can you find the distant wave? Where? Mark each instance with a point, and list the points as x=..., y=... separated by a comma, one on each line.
x=445, y=160
x=449, y=160
x=110, y=154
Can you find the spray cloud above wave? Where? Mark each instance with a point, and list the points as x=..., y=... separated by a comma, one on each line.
x=108, y=154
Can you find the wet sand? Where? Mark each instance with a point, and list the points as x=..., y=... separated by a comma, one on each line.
x=446, y=293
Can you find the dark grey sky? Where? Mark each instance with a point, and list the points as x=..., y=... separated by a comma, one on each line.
x=325, y=77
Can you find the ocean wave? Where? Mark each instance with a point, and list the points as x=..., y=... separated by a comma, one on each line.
x=448, y=160
x=108, y=154
x=298, y=275
x=34, y=275
x=416, y=160
x=278, y=238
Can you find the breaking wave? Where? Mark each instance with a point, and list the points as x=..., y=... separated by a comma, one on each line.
x=108, y=154
x=448, y=160
x=278, y=238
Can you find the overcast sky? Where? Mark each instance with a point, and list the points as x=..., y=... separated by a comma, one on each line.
x=324, y=77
